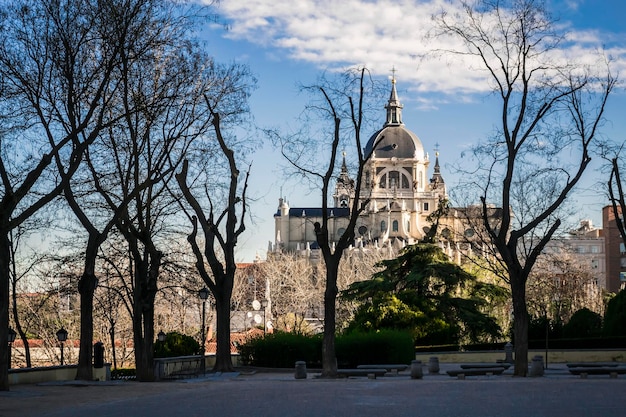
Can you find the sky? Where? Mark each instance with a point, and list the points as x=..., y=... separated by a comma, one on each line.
x=288, y=43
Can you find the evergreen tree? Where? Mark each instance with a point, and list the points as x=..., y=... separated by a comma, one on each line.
x=423, y=292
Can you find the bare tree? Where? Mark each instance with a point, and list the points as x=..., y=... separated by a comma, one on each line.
x=145, y=29
x=296, y=291
x=133, y=167
x=337, y=103
x=55, y=93
x=221, y=230
x=561, y=284
x=550, y=114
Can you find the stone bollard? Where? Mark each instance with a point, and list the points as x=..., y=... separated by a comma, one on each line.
x=416, y=369
x=508, y=353
x=536, y=366
x=433, y=365
x=300, y=370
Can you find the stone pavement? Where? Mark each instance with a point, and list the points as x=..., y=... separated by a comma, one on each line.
x=279, y=394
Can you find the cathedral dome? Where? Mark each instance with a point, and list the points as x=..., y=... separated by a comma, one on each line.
x=394, y=139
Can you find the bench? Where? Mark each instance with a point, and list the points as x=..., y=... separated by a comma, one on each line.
x=584, y=371
x=368, y=372
x=463, y=372
x=592, y=364
x=485, y=365
x=387, y=367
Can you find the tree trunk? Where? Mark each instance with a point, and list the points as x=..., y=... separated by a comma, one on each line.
x=520, y=323
x=143, y=322
x=148, y=342
x=86, y=289
x=112, y=338
x=223, y=359
x=329, y=355
x=4, y=310
x=143, y=347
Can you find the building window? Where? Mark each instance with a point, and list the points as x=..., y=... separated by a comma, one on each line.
x=622, y=262
x=394, y=225
x=580, y=249
x=425, y=206
x=408, y=226
x=595, y=249
x=394, y=179
x=383, y=226
x=622, y=249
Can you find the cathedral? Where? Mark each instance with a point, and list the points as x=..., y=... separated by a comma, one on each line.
x=400, y=193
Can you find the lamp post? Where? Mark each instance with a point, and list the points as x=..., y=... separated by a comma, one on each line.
x=264, y=307
x=62, y=337
x=11, y=337
x=204, y=295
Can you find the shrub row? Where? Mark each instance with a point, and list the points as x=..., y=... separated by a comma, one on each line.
x=282, y=350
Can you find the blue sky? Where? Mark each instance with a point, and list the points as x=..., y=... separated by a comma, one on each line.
x=287, y=43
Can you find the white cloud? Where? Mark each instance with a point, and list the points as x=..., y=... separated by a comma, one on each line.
x=333, y=34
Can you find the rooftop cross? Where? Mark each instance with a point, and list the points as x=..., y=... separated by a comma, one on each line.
x=393, y=74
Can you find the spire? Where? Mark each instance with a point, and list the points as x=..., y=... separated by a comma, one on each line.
x=394, y=108
x=437, y=179
x=344, y=177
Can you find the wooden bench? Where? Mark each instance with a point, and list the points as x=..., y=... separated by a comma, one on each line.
x=463, y=372
x=584, y=371
x=387, y=367
x=368, y=372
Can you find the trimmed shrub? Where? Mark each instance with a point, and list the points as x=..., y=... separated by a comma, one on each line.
x=282, y=350
x=176, y=344
x=615, y=316
x=384, y=346
x=583, y=323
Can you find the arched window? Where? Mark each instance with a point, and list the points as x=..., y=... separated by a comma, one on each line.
x=383, y=226
x=408, y=226
x=405, y=182
x=395, y=179
x=394, y=225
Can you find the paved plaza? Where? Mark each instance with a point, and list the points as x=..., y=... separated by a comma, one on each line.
x=258, y=394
